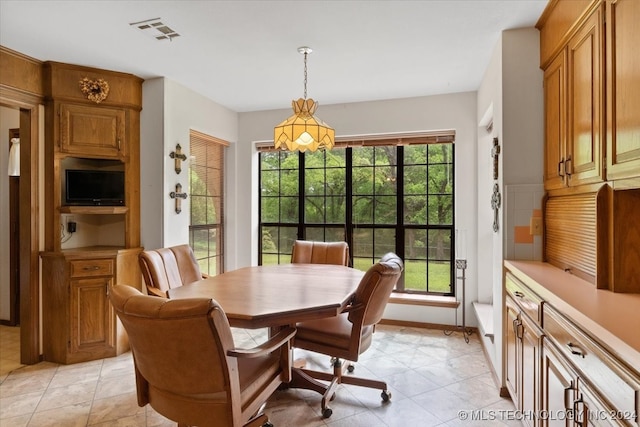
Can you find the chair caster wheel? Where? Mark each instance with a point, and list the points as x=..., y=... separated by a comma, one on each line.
x=351, y=368
x=267, y=424
x=326, y=412
x=386, y=396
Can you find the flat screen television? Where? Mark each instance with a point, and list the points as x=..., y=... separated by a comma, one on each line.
x=94, y=188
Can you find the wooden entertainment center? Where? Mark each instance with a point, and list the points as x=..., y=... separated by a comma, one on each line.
x=92, y=122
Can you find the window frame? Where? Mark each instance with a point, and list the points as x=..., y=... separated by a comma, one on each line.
x=300, y=227
x=216, y=254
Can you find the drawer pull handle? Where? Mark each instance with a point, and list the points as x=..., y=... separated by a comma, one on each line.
x=91, y=268
x=575, y=349
x=519, y=294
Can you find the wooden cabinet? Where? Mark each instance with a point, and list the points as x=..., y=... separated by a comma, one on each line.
x=79, y=269
x=585, y=85
x=623, y=87
x=574, y=124
x=588, y=51
x=555, y=116
x=94, y=132
x=568, y=398
x=522, y=347
x=78, y=321
x=580, y=373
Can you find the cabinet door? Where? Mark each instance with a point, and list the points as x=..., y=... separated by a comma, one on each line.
x=89, y=131
x=92, y=319
x=623, y=89
x=558, y=388
x=585, y=91
x=555, y=122
x=512, y=350
x=530, y=342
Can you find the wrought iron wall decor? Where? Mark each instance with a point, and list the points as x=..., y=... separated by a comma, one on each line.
x=178, y=195
x=495, y=152
x=179, y=158
x=496, y=199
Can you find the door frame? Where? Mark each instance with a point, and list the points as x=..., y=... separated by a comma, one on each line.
x=29, y=218
x=14, y=241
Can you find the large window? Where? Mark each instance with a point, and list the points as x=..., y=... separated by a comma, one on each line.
x=206, y=178
x=378, y=198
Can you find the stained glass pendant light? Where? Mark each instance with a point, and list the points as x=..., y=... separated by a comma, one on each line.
x=303, y=131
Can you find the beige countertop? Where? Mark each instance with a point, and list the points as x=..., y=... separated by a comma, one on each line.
x=612, y=319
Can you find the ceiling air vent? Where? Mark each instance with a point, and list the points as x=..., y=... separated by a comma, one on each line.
x=156, y=29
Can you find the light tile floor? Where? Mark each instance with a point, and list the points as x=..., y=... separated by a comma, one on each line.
x=431, y=377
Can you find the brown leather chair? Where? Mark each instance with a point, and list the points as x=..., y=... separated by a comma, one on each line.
x=310, y=252
x=187, y=367
x=349, y=334
x=168, y=268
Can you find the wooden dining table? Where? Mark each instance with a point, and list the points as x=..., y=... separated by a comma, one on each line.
x=277, y=295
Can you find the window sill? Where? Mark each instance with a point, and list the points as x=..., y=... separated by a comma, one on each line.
x=426, y=300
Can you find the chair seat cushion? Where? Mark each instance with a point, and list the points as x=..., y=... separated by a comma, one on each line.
x=330, y=332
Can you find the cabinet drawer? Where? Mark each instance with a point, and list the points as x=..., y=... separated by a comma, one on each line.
x=617, y=384
x=91, y=267
x=528, y=301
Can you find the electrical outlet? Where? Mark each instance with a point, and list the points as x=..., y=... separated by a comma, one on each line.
x=535, y=226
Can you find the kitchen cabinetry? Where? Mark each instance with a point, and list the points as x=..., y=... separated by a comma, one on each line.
x=555, y=116
x=623, y=86
x=87, y=131
x=79, y=323
x=588, y=51
x=573, y=88
x=95, y=132
x=588, y=351
x=522, y=346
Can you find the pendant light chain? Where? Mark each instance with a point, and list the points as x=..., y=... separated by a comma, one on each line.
x=305, y=74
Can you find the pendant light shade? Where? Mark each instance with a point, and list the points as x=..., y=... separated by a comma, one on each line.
x=14, y=157
x=303, y=131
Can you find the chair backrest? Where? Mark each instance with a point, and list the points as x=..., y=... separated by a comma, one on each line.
x=310, y=252
x=374, y=290
x=180, y=354
x=168, y=268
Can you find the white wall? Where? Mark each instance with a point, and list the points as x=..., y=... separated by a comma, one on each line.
x=452, y=111
x=9, y=119
x=169, y=112
x=512, y=85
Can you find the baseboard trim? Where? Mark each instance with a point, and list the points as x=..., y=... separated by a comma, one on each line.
x=424, y=325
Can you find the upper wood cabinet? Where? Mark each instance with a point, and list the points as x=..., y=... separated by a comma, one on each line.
x=91, y=131
x=585, y=65
x=592, y=78
x=623, y=89
x=573, y=90
x=555, y=116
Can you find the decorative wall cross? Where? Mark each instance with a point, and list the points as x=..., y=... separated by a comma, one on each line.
x=495, y=204
x=495, y=152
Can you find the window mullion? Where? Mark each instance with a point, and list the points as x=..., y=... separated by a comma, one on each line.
x=301, y=196
x=400, y=234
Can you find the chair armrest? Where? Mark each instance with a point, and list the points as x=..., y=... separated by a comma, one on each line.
x=352, y=307
x=273, y=343
x=157, y=292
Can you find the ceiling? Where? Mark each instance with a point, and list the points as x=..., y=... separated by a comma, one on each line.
x=243, y=54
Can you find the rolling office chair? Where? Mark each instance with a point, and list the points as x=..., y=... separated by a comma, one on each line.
x=310, y=252
x=199, y=378
x=349, y=334
x=168, y=268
